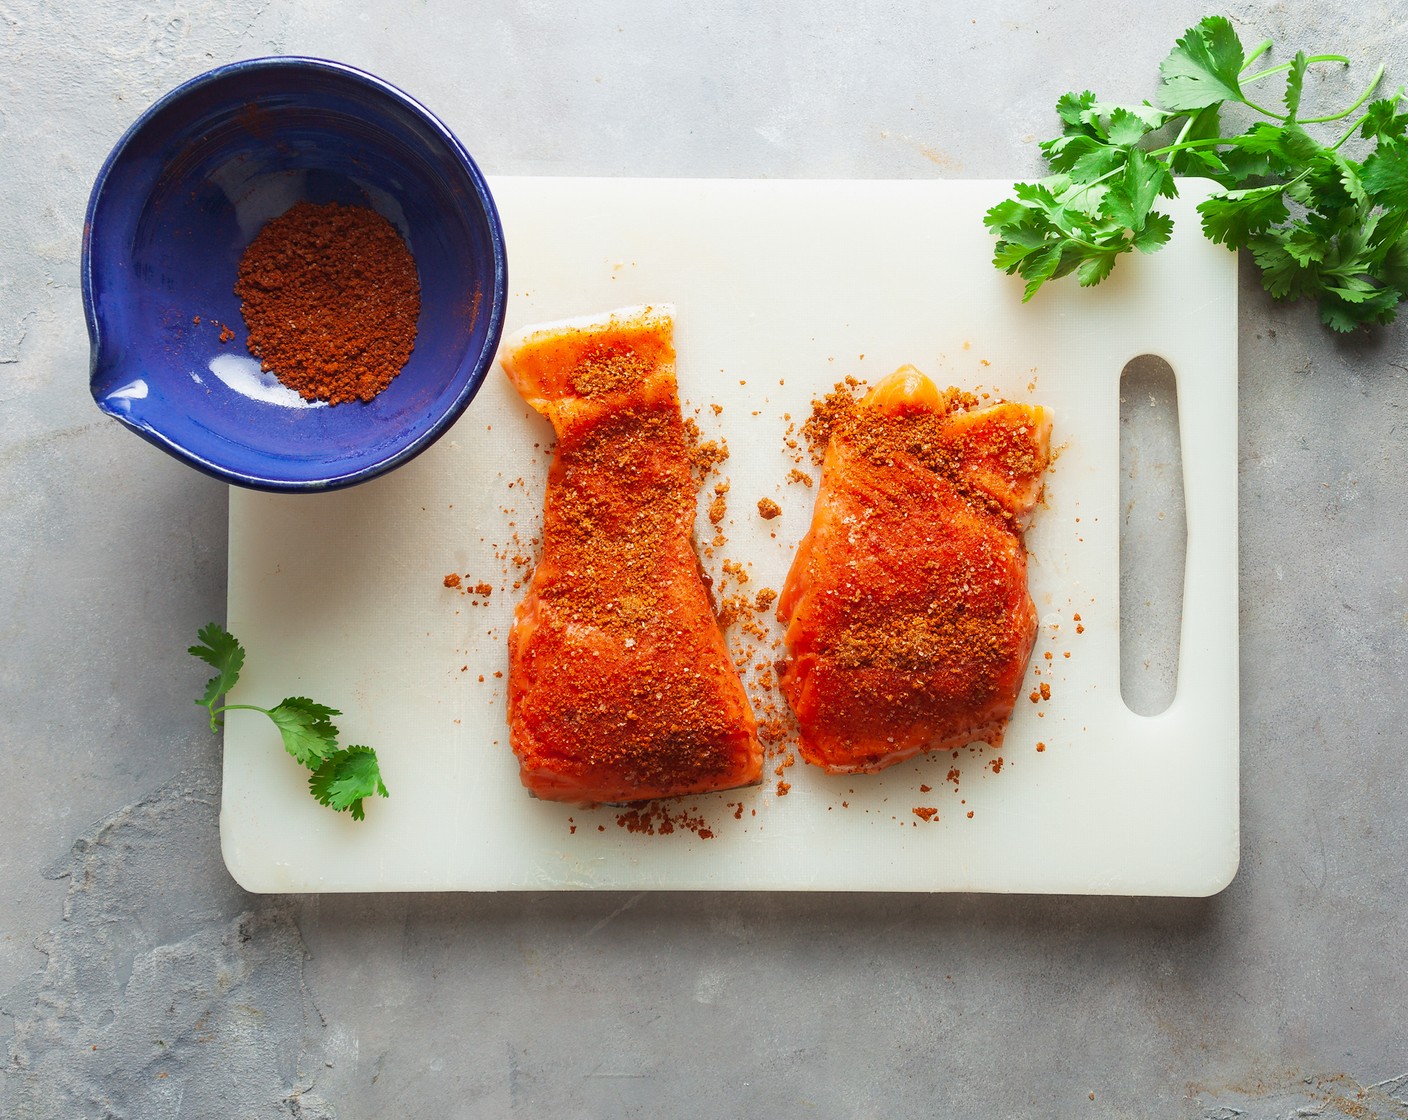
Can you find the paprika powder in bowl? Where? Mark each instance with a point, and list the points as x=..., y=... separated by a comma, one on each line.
x=177, y=209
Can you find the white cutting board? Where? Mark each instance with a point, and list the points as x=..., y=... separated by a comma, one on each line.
x=781, y=288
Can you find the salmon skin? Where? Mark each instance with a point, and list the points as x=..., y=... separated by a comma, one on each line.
x=620, y=684
x=909, y=623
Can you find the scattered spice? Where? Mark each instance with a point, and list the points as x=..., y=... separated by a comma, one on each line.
x=331, y=297
x=926, y=812
x=452, y=580
x=768, y=509
x=718, y=508
x=659, y=818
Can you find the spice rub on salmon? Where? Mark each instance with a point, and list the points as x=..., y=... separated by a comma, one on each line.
x=909, y=623
x=620, y=687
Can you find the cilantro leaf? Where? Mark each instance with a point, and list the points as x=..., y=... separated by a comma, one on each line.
x=1393, y=263
x=1131, y=197
x=1287, y=145
x=1158, y=228
x=1383, y=120
x=1126, y=127
x=1283, y=273
x=1304, y=244
x=1233, y=217
x=1349, y=176
x=220, y=650
x=1385, y=173
x=1344, y=309
x=306, y=728
x=1071, y=106
x=1040, y=267
x=1094, y=269
x=1019, y=241
x=1204, y=68
x=345, y=778
x=1295, y=83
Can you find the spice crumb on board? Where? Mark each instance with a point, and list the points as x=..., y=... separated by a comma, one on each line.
x=768, y=509
x=926, y=812
x=659, y=818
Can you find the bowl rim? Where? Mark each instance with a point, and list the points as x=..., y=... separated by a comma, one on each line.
x=483, y=361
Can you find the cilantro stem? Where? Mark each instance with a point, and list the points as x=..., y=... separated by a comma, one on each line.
x=1283, y=66
x=1183, y=132
x=1354, y=127
x=1184, y=145
x=1261, y=49
x=1363, y=97
x=1263, y=110
x=232, y=707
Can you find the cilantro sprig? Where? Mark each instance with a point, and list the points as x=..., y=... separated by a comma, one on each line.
x=1318, y=223
x=343, y=777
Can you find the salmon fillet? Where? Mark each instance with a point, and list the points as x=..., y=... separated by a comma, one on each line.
x=620, y=684
x=909, y=623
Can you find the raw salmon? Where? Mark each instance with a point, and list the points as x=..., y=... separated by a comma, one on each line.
x=620, y=684
x=909, y=623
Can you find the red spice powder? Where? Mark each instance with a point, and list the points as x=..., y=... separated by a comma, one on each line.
x=331, y=298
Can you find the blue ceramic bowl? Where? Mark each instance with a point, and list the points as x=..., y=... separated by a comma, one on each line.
x=186, y=190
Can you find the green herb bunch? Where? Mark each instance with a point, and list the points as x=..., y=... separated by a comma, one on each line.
x=1317, y=222
x=342, y=776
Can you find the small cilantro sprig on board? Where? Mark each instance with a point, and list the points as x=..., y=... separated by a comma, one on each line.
x=342, y=776
x=1318, y=223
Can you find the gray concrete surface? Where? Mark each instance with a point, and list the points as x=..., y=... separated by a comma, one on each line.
x=137, y=980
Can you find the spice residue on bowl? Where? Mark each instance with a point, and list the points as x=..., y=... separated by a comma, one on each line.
x=331, y=297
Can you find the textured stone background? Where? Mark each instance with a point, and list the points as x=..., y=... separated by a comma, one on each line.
x=137, y=980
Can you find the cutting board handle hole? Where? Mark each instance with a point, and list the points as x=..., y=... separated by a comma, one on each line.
x=1153, y=535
